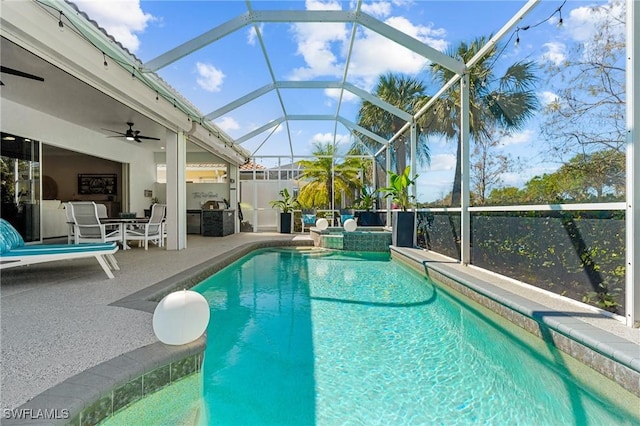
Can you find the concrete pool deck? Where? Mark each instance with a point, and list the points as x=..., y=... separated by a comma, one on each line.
x=63, y=318
x=58, y=320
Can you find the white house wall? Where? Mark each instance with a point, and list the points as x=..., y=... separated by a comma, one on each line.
x=23, y=121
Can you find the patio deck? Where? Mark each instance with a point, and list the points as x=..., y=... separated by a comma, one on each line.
x=59, y=320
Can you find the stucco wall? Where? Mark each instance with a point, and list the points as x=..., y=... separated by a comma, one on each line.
x=26, y=122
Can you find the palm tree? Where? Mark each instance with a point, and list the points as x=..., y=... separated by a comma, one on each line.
x=323, y=175
x=506, y=102
x=405, y=93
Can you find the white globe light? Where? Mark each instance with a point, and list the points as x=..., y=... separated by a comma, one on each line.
x=181, y=317
x=350, y=225
x=322, y=224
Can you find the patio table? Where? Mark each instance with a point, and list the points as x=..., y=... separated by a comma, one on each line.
x=124, y=223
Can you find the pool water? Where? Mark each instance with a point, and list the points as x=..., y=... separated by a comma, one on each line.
x=302, y=337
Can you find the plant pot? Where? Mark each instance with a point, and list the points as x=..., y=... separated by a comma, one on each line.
x=403, y=229
x=285, y=223
x=368, y=218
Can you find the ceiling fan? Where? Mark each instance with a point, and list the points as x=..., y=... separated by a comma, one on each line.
x=7, y=70
x=131, y=135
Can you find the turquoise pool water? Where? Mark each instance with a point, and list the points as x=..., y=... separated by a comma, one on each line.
x=301, y=337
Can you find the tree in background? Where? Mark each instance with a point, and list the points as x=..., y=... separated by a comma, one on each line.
x=324, y=176
x=584, y=178
x=588, y=113
x=505, y=102
x=488, y=165
x=407, y=94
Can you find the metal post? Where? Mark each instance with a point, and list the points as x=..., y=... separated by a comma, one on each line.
x=465, y=222
x=632, y=285
x=412, y=152
x=388, y=182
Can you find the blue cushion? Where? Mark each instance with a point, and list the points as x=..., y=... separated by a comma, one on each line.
x=345, y=217
x=9, y=237
x=309, y=219
x=42, y=249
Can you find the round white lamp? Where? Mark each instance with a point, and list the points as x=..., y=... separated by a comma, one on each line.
x=322, y=224
x=350, y=225
x=181, y=317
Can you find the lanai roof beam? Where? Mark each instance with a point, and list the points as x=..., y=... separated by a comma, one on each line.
x=309, y=85
x=253, y=17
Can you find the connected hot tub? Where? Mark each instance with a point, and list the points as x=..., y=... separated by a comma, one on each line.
x=369, y=238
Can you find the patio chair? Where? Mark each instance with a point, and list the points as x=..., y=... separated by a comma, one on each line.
x=13, y=251
x=308, y=219
x=70, y=232
x=87, y=227
x=152, y=231
x=102, y=210
x=346, y=215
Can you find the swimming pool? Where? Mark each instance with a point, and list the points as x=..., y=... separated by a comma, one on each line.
x=316, y=337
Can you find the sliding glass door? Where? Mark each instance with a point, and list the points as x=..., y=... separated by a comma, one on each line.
x=20, y=184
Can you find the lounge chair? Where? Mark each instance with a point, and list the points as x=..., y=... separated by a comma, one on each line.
x=13, y=251
x=346, y=215
x=308, y=220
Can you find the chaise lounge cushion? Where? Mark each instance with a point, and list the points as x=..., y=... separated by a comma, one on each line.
x=309, y=219
x=53, y=249
x=13, y=251
x=9, y=237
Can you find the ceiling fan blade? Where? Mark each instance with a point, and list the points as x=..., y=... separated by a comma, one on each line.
x=115, y=131
x=11, y=71
x=147, y=137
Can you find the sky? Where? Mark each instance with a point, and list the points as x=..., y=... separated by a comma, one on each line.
x=235, y=65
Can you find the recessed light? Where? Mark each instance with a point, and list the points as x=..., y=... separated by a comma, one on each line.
x=162, y=147
x=8, y=138
x=27, y=140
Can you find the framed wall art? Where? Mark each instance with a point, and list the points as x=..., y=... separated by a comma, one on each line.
x=89, y=183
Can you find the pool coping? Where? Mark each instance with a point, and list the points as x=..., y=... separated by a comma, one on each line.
x=64, y=402
x=613, y=356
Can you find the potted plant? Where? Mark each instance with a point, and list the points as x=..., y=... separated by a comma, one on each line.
x=365, y=202
x=403, y=222
x=286, y=204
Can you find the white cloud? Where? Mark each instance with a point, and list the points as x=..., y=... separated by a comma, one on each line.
x=554, y=52
x=227, y=124
x=547, y=98
x=367, y=63
x=210, y=77
x=583, y=22
x=347, y=96
x=252, y=36
x=517, y=138
x=315, y=44
x=513, y=179
x=378, y=9
x=322, y=5
x=341, y=139
x=442, y=162
x=324, y=48
x=121, y=19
